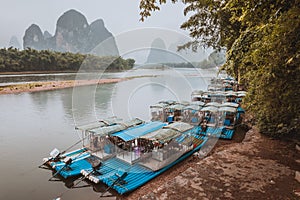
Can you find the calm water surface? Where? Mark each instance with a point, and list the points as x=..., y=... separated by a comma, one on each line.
x=32, y=124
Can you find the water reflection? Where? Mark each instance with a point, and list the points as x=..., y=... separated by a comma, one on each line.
x=91, y=103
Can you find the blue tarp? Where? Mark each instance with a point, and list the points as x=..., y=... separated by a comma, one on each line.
x=135, y=132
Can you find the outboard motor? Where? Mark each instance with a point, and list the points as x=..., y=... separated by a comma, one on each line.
x=96, y=165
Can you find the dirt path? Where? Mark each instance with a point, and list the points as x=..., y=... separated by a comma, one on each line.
x=256, y=168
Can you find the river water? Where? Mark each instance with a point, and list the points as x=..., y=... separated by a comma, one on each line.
x=32, y=124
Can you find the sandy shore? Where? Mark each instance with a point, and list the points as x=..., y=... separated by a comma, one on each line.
x=53, y=85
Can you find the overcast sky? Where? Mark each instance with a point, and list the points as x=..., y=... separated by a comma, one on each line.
x=119, y=15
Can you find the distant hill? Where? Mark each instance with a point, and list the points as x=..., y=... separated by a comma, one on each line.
x=14, y=42
x=73, y=34
x=215, y=59
x=159, y=53
x=188, y=55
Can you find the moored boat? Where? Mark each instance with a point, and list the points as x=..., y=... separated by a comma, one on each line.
x=159, y=151
x=91, y=154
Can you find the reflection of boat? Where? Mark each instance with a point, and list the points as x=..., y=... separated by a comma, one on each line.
x=157, y=151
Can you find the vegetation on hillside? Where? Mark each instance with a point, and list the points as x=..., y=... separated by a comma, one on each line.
x=263, y=52
x=14, y=60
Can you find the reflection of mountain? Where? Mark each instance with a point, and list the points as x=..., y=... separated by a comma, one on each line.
x=73, y=34
x=103, y=100
x=81, y=104
x=91, y=103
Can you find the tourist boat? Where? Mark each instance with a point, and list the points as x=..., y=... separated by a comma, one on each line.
x=221, y=111
x=197, y=95
x=192, y=113
x=154, y=153
x=221, y=120
x=93, y=148
x=158, y=112
x=215, y=119
x=56, y=155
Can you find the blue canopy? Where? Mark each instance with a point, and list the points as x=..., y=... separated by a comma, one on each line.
x=135, y=132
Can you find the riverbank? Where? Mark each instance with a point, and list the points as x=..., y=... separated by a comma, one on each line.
x=53, y=85
x=37, y=72
x=252, y=166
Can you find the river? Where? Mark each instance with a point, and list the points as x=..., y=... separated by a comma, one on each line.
x=32, y=124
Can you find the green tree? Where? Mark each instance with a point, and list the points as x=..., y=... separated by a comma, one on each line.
x=263, y=52
x=14, y=60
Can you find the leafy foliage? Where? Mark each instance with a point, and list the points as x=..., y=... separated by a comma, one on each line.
x=14, y=60
x=263, y=52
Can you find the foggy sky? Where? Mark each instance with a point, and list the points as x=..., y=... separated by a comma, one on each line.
x=119, y=15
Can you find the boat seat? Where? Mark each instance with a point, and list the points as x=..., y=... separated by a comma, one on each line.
x=170, y=119
x=227, y=122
